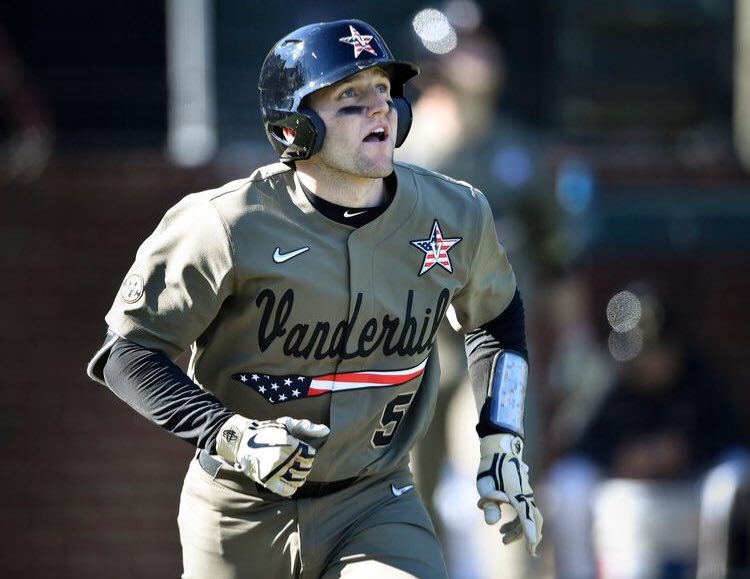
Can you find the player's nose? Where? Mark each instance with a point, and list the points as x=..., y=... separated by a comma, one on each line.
x=378, y=102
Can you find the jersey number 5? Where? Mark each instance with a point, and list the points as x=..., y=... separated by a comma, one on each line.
x=392, y=414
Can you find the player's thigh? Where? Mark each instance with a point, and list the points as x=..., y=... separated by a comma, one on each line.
x=389, y=551
x=226, y=534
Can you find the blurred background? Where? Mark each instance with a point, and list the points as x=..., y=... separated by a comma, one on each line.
x=612, y=138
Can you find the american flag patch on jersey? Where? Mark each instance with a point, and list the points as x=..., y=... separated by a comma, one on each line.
x=277, y=389
x=435, y=249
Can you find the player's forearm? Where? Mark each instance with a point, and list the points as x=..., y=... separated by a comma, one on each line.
x=507, y=332
x=159, y=390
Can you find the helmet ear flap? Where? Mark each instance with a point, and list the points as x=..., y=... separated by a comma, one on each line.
x=309, y=133
x=403, y=110
x=317, y=131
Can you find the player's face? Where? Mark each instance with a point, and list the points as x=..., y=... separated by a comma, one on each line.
x=360, y=125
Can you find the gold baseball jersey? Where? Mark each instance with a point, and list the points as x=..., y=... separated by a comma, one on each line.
x=289, y=313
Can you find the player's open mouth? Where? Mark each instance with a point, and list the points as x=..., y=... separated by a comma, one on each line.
x=376, y=136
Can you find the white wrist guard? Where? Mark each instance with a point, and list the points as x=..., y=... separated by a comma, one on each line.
x=507, y=391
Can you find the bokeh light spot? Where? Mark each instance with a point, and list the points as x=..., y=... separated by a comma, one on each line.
x=624, y=346
x=435, y=31
x=623, y=311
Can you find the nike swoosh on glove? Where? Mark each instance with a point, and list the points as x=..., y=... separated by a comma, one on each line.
x=503, y=477
x=277, y=454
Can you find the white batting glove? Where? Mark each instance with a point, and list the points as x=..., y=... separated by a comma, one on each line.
x=277, y=454
x=503, y=477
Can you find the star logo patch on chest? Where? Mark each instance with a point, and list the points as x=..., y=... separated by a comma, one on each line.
x=436, y=248
x=360, y=42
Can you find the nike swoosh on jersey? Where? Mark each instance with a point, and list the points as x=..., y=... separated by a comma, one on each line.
x=252, y=444
x=398, y=491
x=279, y=257
x=348, y=213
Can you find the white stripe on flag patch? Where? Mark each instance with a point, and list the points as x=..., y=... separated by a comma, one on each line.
x=366, y=379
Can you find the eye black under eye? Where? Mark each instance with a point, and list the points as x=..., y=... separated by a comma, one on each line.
x=352, y=110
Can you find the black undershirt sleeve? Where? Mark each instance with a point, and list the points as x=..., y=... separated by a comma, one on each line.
x=158, y=389
x=505, y=332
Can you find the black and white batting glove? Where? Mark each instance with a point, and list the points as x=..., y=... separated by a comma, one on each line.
x=277, y=454
x=503, y=477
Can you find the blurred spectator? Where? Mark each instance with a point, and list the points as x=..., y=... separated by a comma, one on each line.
x=667, y=417
x=27, y=138
x=578, y=370
x=477, y=142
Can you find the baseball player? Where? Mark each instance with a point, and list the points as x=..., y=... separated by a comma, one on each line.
x=309, y=295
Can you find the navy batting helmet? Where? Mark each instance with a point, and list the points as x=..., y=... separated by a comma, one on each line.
x=312, y=58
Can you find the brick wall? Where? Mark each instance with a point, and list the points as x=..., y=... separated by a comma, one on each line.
x=88, y=488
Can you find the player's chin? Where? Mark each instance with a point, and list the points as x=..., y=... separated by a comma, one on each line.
x=379, y=171
x=377, y=165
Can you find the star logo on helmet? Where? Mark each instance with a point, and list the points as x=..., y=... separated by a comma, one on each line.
x=360, y=42
x=436, y=249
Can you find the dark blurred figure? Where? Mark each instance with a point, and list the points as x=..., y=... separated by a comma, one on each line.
x=27, y=129
x=577, y=369
x=667, y=417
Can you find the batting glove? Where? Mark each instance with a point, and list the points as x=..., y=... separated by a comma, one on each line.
x=277, y=454
x=504, y=478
